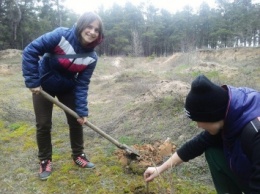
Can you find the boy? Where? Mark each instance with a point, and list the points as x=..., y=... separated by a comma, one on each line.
x=230, y=118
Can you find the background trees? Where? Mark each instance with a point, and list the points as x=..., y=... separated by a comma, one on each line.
x=141, y=30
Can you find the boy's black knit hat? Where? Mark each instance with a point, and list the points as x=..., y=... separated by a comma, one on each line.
x=206, y=101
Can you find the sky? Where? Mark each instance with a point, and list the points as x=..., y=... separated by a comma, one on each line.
x=80, y=6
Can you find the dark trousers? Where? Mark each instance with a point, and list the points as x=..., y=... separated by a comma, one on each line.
x=223, y=178
x=43, y=112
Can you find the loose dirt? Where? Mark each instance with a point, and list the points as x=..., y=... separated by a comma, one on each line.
x=150, y=155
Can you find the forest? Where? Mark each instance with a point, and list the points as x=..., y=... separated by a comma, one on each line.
x=142, y=30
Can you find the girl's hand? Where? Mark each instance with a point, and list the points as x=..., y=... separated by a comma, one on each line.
x=35, y=90
x=82, y=120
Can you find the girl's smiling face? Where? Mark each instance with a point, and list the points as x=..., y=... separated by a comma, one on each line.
x=212, y=127
x=90, y=33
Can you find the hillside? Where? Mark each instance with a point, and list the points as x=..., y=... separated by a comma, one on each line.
x=138, y=101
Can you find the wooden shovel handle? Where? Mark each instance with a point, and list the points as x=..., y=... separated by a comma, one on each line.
x=74, y=114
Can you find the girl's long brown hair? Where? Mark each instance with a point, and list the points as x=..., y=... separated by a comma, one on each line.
x=86, y=19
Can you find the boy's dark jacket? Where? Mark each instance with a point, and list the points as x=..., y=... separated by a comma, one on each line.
x=243, y=107
x=61, y=41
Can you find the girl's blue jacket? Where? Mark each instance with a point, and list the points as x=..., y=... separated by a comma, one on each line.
x=61, y=41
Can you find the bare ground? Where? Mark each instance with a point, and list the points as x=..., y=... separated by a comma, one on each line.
x=138, y=101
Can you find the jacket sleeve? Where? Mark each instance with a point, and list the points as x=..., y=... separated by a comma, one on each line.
x=197, y=145
x=31, y=56
x=250, y=141
x=255, y=158
x=81, y=90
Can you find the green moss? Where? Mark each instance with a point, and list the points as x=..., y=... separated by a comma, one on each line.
x=2, y=124
x=5, y=139
x=18, y=129
x=127, y=140
x=103, y=158
x=21, y=170
x=136, y=168
x=116, y=169
x=57, y=142
x=108, y=177
x=57, y=157
x=14, y=126
x=65, y=167
x=29, y=144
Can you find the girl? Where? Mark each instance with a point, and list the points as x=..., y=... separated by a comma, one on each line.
x=62, y=62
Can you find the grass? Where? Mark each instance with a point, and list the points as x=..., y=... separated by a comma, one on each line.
x=125, y=101
x=108, y=177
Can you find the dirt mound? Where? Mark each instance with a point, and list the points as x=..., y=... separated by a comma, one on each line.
x=213, y=66
x=150, y=155
x=9, y=53
x=117, y=62
x=165, y=88
x=227, y=61
x=7, y=68
x=231, y=54
x=174, y=57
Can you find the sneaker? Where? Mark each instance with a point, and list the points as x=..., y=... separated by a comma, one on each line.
x=45, y=169
x=83, y=162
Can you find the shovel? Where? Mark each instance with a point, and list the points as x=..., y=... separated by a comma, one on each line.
x=131, y=152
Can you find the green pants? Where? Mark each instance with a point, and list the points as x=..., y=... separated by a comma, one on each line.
x=224, y=180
